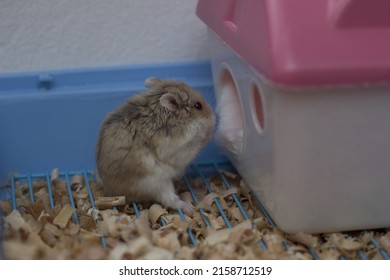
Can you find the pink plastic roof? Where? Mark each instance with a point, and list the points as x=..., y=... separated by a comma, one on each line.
x=306, y=42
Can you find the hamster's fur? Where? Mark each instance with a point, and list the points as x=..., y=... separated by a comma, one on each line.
x=150, y=139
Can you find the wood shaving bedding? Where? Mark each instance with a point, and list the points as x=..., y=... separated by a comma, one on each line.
x=35, y=231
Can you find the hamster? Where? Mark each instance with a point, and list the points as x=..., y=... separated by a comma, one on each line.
x=230, y=133
x=150, y=139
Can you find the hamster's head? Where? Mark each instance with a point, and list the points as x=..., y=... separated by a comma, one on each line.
x=182, y=107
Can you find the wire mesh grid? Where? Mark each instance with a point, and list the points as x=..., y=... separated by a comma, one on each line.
x=199, y=170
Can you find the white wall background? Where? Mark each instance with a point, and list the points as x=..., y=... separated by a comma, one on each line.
x=58, y=34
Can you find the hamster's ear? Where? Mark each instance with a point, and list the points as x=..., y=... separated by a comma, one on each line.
x=170, y=101
x=152, y=82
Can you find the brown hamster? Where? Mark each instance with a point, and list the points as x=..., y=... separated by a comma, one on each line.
x=150, y=139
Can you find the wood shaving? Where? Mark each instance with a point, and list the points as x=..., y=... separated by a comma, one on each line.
x=76, y=181
x=35, y=231
x=157, y=253
x=329, y=254
x=206, y=207
x=209, y=199
x=132, y=250
x=228, y=174
x=86, y=222
x=167, y=239
x=64, y=216
x=92, y=253
x=83, y=205
x=6, y=207
x=384, y=241
x=80, y=192
x=54, y=176
x=53, y=230
x=229, y=192
x=72, y=229
x=95, y=214
x=142, y=227
x=186, y=253
x=237, y=214
x=261, y=223
x=17, y=222
x=223, y=204
x=217, y=188
x=33, y=223
x=346, y=245
x=48, y=237
x=155, y=212
x=178, y=223
x=304, y=238
x=199, y=187
x=222, y=236
x=109, y=202
x=274, y=242
x=216, y=222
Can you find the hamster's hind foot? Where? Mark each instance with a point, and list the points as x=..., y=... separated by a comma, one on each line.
x=186, y=207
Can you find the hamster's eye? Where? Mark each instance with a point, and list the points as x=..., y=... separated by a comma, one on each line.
x=198, y=106
x=174, y=103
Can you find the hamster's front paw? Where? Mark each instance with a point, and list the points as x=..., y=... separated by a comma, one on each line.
x=186, y=207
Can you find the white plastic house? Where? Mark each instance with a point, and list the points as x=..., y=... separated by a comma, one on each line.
x=304, y=96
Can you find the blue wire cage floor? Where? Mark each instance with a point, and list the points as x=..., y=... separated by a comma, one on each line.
x=292, y=245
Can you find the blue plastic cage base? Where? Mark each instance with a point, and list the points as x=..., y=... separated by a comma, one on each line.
x=53, y=118
x=220, y=171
